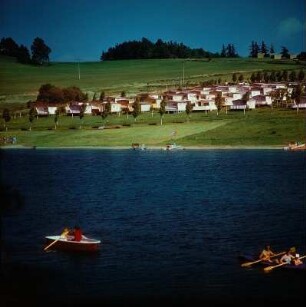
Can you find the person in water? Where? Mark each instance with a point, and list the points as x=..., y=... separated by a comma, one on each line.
x=266, y=254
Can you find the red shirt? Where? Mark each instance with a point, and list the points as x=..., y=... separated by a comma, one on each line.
x=77, y=235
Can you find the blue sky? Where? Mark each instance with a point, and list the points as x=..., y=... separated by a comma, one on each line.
x=82, y=29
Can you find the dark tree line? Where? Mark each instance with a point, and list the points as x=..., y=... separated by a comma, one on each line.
x=145, y=49
x=39, y=51
x=278, y=76
x=229, y=51
x=256, y=48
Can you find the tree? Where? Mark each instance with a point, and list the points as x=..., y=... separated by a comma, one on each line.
x=245, y=99
x=223, y=52
x=234, y=77
x=266, y=77
x=32, y=114
x=152, y=110
x=253, y=77
x=297, y=94
x=302, y=56
x=189, y=108
x=102, y=96
x=162, y=110
x=241, y=78
x=82, y=113
x=263, y=48
x=56, y=118
x=126, y=111
x=6, y=117
x=272, y=49
x=231, y=51
x=40, y=52
x=73, y=93
x=50, y=93
x=23, y=55
x=219, y=102
x=301, y=75
x=254, y=49
x=285, y=75
x=106, y=110
x=258, y=76
x=8, y=47
x=272, y=76
x=136, y=108
x=292, y=76
x=123, y=94
x=285, y=53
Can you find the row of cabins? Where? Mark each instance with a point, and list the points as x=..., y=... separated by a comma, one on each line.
x=202, y=99
x=275, y=56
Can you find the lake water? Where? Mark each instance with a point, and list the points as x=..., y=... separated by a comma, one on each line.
x=172, y=224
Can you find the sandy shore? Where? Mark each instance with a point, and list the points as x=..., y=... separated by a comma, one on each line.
x=206, y=147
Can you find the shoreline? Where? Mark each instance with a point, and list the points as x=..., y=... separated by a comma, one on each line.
x=204, y=147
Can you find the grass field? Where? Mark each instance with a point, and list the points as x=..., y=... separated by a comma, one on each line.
x=261, y=127
x=19, y=83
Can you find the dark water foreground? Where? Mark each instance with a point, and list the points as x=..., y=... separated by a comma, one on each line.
x=172, y=226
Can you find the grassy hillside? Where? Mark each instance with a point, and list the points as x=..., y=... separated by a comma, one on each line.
x=19, y=83
x=261, y=127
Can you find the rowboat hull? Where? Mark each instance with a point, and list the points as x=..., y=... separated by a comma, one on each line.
x=249, y=258
x=172, y=147
x=66, y=244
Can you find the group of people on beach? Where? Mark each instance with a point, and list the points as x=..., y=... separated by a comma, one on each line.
x=289, y=257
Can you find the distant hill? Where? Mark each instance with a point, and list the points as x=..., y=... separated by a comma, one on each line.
x=20, y=83
x=145, y=49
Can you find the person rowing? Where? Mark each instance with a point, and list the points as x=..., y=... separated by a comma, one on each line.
x=287, y=258
x=74, y=234
x=266, y=254
x=296, y=260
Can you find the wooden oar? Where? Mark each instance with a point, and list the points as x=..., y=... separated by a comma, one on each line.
x=63, y=234
x=259, y=260
x=271, y=267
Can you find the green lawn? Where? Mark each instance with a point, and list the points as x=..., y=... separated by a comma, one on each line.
x=261, y=127
x=19, y=83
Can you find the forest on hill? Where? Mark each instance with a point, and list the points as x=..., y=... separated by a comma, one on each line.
x=145, y=49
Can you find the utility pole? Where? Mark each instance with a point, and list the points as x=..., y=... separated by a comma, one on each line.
x=183, y=73
x=79, y=71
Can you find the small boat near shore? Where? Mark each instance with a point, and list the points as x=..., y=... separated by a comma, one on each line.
x=68, y=244
x=295, y=146
x=249, y=258
x=172, y=146
x=137, y=146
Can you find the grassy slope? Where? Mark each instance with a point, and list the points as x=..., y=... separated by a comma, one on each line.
x=20, y=82
x=262, y=127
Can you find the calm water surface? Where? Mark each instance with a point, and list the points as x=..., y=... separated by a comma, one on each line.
x=172, y=223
